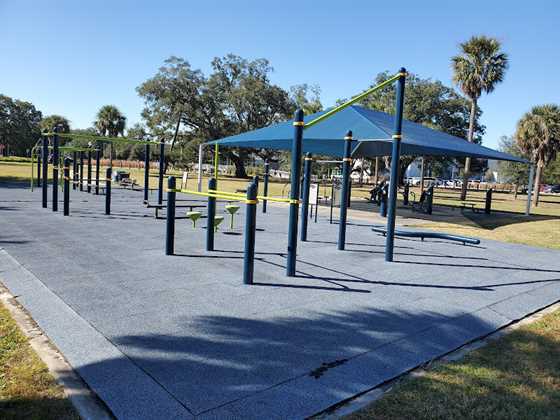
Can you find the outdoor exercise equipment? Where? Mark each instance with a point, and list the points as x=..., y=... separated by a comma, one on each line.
x=97, y=159
x=217, y=222
x=108, y=191
x=346, y=162
x=55, y=172
x=305, y=202
x=406, y=190
x=125, y=140
x=488, y=202
x=66, y=186
x=250, y=232
x=45, y=152
x=88, y=187
x=250, y=198
x=395, y=157
x=382, y=196
x=294, y=193
x=211, y=223
x=194, y=216
x=265, y=184
x=81, y=170
x=426, y=202
x=423, y=234
x=231, y=209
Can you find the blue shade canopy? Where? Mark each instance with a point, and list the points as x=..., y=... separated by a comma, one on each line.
x=372, y=133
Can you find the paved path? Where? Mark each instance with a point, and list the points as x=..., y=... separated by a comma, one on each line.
x=180, y=336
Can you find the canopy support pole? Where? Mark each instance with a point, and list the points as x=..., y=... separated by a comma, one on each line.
x=294, y=193
x=305, y=199
x=345, y=195
x=161, y=171
x=395, y=157
x=216, y=161
x=200, y=150
x=45, y=162
x=146, y=172
x=530, y=189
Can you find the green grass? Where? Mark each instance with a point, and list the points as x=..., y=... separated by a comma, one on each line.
x=507, y=223
x=27, y=389
x=515, y=377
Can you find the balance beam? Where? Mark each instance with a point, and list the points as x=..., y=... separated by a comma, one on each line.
x=423, y=234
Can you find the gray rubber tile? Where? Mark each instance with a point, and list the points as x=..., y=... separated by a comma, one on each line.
x=174, y=336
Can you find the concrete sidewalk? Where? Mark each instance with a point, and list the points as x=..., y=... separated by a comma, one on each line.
x=180, y=336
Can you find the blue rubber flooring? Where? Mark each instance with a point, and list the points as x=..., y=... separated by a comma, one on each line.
x=180, y=336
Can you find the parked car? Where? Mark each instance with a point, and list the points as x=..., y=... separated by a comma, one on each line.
x=555, y=189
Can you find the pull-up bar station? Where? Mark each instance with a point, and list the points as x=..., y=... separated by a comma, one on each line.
x=78, y=157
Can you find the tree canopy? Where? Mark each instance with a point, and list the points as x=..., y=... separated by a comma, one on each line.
x=237, y=96
x=50, y=122
x=478, y=68
x=19, y=125
x=538, y=136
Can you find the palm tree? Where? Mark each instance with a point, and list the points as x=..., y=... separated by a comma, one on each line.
x=538, y=135
x=479, y=67
x=110, y=122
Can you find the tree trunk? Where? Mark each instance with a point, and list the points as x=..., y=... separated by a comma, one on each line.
x=538, y=175
x=470, y=136
x=111, y=154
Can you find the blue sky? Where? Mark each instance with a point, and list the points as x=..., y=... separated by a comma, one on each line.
x=71, y=57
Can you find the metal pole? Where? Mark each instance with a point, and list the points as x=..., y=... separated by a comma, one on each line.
x=66, y=186
x=346, y=162
x=529, y=189
x=97, y=158
x=395, y=157
x=216, y=161
x=89, y=171
x=430, y=199
x=81, y=171
x=200, y=149
x=406, y=193
x=146, y=172
x=74, y=169
x=294, y=193
x=55, y=171
x=211, y=211
x=108, y=190
x=161, y=165
x=488, y=203
x=170, y=217
x=305, y=202
x=265, y=182
x=250, y=232
x=422, y=174
x=45, y=152
x=39, y=169
x=332, y=201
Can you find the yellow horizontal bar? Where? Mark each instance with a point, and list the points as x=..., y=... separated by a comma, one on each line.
x=227, y=193
x=278, y=200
